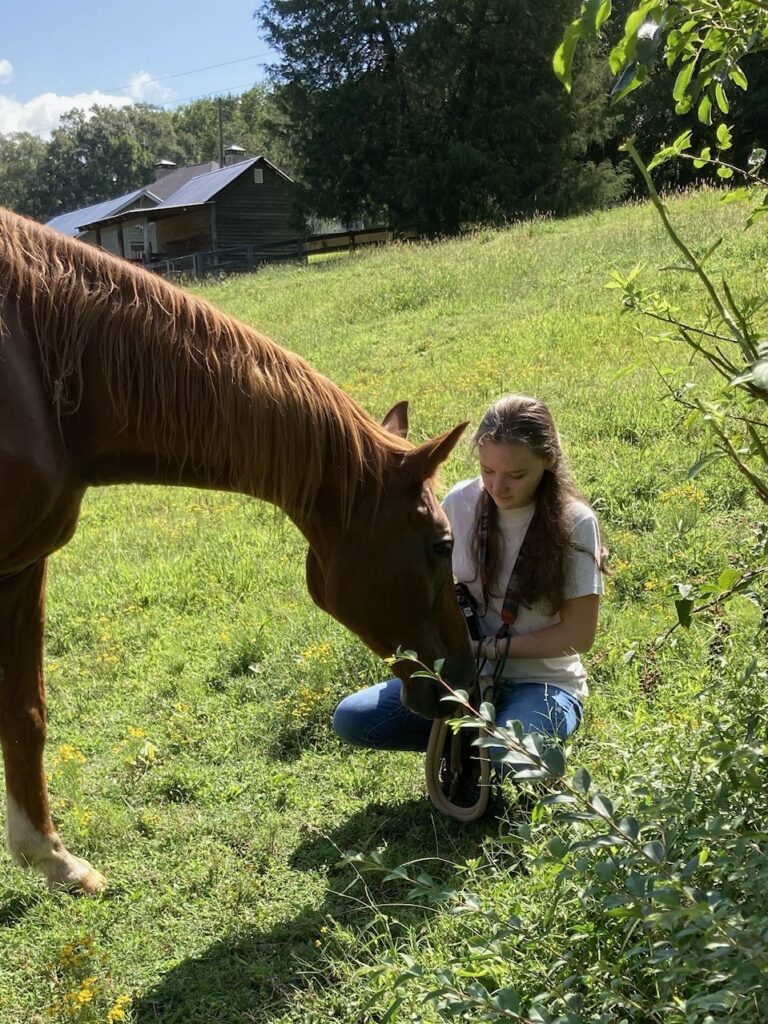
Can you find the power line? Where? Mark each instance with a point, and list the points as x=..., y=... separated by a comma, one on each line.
x=165, y=78
x=204, y=95
x=194, y=71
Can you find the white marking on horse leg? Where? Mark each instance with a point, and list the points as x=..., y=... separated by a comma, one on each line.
x=47, y=854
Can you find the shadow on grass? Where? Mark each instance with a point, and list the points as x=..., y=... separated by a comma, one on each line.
x=259, y=976
x=13, y=911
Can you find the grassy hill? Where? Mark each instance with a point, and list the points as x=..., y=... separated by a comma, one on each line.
x=191, y=679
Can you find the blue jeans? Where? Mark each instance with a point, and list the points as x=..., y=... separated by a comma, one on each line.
x=377, y=718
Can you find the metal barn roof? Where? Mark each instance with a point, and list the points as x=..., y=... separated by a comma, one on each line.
x=203, y=187
x=70, y=223
x=196, y=192
x=172, y=180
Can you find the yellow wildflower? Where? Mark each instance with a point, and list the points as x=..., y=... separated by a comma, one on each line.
x=117, y=1012
x=69, y=753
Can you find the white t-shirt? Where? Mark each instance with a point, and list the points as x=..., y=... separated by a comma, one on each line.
x=582, y=577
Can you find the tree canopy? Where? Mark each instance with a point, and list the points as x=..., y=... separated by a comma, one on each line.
x=437, y=113
x=104, y=152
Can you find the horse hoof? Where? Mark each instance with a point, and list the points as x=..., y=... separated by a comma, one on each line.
x=76, y=875
x=93, y=884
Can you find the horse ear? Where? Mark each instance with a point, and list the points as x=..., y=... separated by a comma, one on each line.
x=424, y=461
x=396, y=420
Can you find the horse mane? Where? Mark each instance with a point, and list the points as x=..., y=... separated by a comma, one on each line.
x=202, y=386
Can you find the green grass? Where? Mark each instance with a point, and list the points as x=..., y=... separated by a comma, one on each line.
x=191, y=680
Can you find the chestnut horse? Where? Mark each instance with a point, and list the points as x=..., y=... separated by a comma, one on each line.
x=110, y=375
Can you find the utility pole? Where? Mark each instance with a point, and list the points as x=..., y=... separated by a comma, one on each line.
x=221, y=131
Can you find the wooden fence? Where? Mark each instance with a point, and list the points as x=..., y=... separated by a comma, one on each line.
x=296, y=250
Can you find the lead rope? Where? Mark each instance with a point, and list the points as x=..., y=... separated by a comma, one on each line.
x=453, y=763
x=451, y=760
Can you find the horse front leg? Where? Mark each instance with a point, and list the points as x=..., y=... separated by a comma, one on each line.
x=32, y=838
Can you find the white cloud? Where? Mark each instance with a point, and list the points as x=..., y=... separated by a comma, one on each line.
x=41, y=114
x=6, y=70
x=143, y=88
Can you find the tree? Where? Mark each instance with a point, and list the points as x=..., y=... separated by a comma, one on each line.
x=709, y=44
x=102, y=153
x=251, y=120
x=436, y=113
x=21, y=158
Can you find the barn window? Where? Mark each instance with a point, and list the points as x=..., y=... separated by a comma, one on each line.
x=258, y=175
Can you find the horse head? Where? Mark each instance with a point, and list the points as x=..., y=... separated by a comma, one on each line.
x=387, y=576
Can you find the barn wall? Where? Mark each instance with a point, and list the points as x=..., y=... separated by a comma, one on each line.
x=249, y=213
x=189, y=232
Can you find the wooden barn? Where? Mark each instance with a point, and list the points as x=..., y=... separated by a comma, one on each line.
x=229, y=217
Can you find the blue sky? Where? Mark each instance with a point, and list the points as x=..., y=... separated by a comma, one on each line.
x=59, y=55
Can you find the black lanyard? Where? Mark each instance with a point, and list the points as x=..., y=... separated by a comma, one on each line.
x=512, y=596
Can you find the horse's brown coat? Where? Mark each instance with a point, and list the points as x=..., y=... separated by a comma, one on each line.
x=110, y=375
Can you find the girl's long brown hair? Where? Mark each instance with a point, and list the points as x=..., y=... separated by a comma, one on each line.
x=540, y=571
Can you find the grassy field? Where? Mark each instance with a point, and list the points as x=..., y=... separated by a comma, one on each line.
x=191, y=680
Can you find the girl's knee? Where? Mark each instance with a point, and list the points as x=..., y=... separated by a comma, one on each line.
x=346, y=724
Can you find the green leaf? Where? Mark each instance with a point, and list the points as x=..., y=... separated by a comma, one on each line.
x=724, y=172
x=389, y=1015
x=562, y=62
x=593, y=15
x=704, y=461
x=647, y=42
x=487, y=711
x=664, y=154
x=727, y=578
x=684, y=608
x=690, y=867
x=723, y=137
x=540, y=1015
x=557, y=847
x=602, y=805
x=554, y=759
x=581, y=780
x=706, y=154
x=632, y=27
x=630, y=827
x=636, y=884
x=736, y=195
x=721, y=98
x=756, y=215
x=508, y=1000
x=655, y=851
x=683, y=81
x=756, y=374
x=738, y=77
x=713, y=248
x=603, y=13
x=626, y=83
x=704, y=112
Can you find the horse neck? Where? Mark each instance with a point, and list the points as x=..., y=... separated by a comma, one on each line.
x=242, y=415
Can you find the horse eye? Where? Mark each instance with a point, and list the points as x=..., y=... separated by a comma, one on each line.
x=444, y=548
